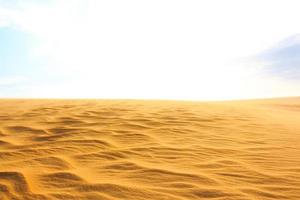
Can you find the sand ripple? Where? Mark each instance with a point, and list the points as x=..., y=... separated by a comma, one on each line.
x=107, y=150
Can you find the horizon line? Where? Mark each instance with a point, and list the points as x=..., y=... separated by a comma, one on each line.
x=149, y=99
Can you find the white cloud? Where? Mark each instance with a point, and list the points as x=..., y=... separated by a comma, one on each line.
x=160, y=48
x=5, y=18
x=12, y=80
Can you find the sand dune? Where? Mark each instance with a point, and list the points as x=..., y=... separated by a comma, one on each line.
x=165, y=150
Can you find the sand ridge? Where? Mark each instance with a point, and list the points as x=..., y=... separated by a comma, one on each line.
x=165, y=150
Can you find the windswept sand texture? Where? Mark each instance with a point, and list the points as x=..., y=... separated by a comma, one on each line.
x=137, y=150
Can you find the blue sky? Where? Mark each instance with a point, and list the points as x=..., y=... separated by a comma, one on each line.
x=17, y=66
x=20, y=69
x=165, y=49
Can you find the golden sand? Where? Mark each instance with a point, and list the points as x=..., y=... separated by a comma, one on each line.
x=137, y=150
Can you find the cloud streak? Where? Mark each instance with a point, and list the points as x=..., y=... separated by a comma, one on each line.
x=12, y=80
x=283, y=60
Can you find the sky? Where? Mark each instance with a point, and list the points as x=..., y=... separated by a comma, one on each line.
x=158, y=49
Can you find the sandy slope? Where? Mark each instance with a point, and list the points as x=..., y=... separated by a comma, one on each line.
x=149, y=150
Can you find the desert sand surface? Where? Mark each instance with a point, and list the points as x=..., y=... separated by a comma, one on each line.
x=158, y=150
